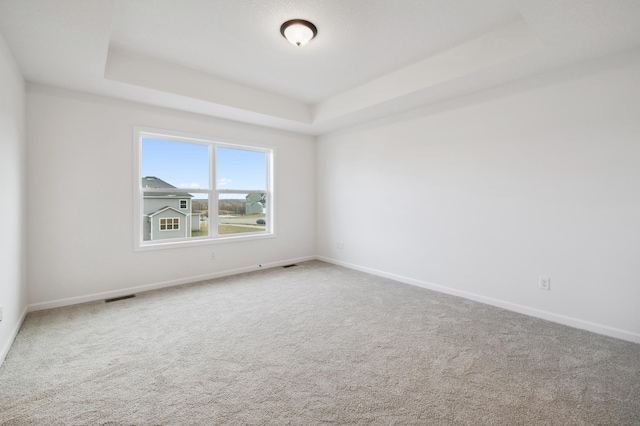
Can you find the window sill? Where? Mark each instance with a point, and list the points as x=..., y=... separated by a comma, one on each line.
x=147, y=246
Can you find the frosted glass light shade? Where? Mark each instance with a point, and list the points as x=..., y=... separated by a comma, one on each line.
x=298, y=31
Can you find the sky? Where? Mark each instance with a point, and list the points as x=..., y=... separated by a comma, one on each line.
x=186, y=165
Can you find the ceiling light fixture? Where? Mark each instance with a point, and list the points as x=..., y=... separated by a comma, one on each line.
x=298, y=31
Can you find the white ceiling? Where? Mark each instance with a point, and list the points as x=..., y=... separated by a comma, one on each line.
x=371, y=58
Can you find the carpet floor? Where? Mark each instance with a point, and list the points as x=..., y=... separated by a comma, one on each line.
x=307, y=345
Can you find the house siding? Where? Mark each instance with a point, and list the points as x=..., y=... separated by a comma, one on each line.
x=157, y=234
x=153, y=204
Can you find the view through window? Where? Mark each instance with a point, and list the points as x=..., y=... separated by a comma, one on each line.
x=181, y=179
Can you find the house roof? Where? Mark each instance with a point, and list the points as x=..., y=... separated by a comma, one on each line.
x=162, y=209
x=156, y=182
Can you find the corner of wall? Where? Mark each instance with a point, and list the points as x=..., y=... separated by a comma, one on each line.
x=13, y=187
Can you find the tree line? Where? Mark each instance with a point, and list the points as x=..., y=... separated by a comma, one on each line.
x=224, y=206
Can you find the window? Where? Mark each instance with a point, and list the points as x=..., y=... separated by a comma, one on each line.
x=220, y=191
x=168, y=224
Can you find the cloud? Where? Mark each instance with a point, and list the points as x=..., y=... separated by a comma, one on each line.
x=224, y=181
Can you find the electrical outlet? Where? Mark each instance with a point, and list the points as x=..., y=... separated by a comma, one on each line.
x=545, y=283
x=340, y=246
x=213, y=256
x=0, y=313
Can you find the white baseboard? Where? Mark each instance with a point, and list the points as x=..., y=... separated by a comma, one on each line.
x=549, y=316
x=526, y=310
x=155, y=286
x=7, y=346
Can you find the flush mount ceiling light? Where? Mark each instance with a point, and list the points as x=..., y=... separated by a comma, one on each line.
x=298, y=31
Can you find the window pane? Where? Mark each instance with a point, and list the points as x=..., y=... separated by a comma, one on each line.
x=240, y=213
x=241, y=169
x=164, y=220
x=168, y=164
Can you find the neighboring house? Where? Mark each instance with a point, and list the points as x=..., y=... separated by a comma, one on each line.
x=255, y=203
x=167, y=215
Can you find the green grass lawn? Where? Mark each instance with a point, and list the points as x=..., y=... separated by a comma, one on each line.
x=236, y=229
x=202, y=232
x=256, y=215
x=228, y=229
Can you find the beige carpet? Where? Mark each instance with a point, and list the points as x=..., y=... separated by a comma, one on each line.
x=312, y=344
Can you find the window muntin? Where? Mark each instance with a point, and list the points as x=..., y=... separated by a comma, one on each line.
x=178, y=174
x=170, y=224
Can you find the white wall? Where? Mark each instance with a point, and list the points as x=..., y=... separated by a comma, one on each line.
x=80, y=238
x=13, y=188
x=480, y=200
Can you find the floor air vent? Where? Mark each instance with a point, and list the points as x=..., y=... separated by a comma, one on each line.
x=290, y=266
x=115, y=299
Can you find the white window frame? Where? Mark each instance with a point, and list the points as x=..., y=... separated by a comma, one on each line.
x=213, y=191
x=165, y=219
x=186, y=204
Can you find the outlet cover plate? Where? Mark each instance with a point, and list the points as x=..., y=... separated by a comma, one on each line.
x=545, y=283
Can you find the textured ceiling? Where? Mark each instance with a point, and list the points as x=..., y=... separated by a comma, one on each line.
x=371, y=58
